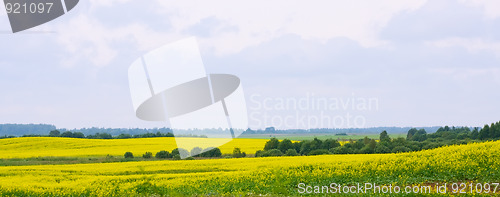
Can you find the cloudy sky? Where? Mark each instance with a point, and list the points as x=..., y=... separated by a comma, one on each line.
x=427, y=63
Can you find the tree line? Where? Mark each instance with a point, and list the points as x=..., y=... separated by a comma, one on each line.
x=77, y=134
x=391, y=130
x=69, y=134
x=12, y=130
x=177, y=153
x=416, y=140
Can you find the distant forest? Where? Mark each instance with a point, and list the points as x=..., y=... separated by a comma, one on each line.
x=371, y=130
x=27, y=130
x=416, y=140
x=24, y=129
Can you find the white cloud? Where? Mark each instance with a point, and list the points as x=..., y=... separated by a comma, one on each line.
x=4, y=20
x=86, y=37
x=469, y=74
x=491, y=7
x=271, y=46
x=473, y=45
x=107, y=3
x=260, y=21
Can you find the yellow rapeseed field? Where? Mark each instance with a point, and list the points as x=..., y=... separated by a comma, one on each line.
x=479, y=162
x=27, y=147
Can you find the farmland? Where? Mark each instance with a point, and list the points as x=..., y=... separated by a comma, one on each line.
x=73, y=147
x=477, y=162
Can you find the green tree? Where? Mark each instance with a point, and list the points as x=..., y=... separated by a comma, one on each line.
x=128, y=155
x=484, y=133
x=384, y=137
x=284, y=145
x=297, y=146
x=238, y=154
x=274, y=153
x=309, y=146
x=163, y=155
x=67, y=134
x=78, y=135
x=366, y=140
x=318, y=142
x=382, y=149
x=211, y=152
x=123, y=136
x=54, y=133
x=420, y=135
x=259, y=153
x=400, y=141
x=175, y=151
x=359, y=144
x=183, y=153
x=291, y=152
x=147, y=155
x=329, y=144
x=341, y=150
x=400, y=149
x=319, y=152
x=474, y=134
x=494, y=130
x=410, y=133
x=372, y=144
x=271, y=144
x=366, y=150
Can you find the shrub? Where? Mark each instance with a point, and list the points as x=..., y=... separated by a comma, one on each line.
x=211, y=152
x=274, y=153
x=329, y=144
x=54, y=133
x=260, y=153
x=382, y=149
x=284, y=145
x=238, y=154
x=319, y=152
x=400, y=149
x=341, y=150
x=291, y=152
x=432, y=146
x=147, y=155
x=366, y=150
x=163, y=155
x=78, y=135
x=181, y=152
x=271, y=144
x=67, y=134
x=129, y=155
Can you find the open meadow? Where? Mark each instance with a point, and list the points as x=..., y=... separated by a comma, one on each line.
x=29, y=147
x=470, y=164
